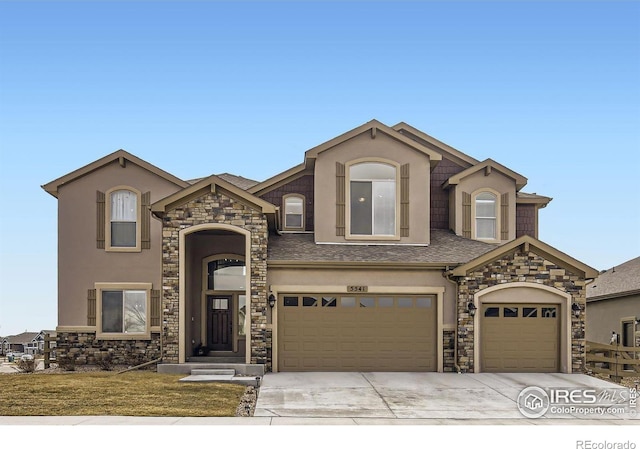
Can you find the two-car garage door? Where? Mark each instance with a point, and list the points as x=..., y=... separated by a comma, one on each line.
x=357, y=333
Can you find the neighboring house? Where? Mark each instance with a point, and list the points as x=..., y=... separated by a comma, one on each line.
x=26, y=342
x=373, y=254
x=614, y=305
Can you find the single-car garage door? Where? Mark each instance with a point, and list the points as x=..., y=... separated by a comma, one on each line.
x=520, y=338
x=357, y=333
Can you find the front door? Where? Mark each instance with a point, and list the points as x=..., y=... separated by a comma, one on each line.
x=219, y=322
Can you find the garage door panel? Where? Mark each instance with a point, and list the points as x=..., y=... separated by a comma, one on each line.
x=372, y=338
x=519, y=338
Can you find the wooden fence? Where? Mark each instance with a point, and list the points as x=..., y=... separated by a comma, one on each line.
x=613, y=360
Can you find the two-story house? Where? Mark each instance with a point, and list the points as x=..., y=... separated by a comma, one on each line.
x=384, y=250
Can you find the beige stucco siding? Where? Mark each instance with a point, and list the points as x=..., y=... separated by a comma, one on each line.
x=477, y=181
x=339, y=279
x=80, y=263
x=605, y=316
x=361, y=147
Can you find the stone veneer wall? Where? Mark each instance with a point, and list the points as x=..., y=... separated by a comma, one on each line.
x=520, y=267
x=448, y=347
x=215, y=208
x=85, y=349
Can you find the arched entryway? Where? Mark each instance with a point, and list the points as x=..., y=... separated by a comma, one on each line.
x=214, y=277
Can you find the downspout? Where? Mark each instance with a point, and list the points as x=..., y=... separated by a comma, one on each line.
x=447, y=276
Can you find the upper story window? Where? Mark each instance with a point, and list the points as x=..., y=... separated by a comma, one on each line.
x=372, y=199
x=122, y=220
x=293, y=212
x=124, y=217
x=486, y=215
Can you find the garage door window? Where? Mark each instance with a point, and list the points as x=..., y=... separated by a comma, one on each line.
x=367, y=302
x=492, y=312
x=385, y=302
x=548, y=312
x=328, y=302
x=530, y=312
x=309, y=301
x=405, y=302
x=348, y=301
x=510, y=312
x=423, y=302
x=291, y=301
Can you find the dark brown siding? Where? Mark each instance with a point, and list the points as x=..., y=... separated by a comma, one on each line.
x=301, y=186
x=525, y=220
x=439, y=197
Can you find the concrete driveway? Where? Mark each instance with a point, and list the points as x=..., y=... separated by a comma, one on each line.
x=434, y=398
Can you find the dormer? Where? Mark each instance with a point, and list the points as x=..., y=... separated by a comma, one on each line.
x=371, y=186
x=482, y=202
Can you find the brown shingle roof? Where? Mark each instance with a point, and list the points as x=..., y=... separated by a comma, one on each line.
x=238, y=181
x=617, y=281
x=445, y=248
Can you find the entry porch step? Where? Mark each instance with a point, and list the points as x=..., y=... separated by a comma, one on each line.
x=244, y=369
x=223, y=378
x=213, y=372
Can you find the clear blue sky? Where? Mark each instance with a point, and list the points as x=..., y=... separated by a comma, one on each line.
x=551, y=90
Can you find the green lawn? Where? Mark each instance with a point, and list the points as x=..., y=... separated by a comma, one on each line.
x=138, y=393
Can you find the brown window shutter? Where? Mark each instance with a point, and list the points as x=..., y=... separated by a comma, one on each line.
x=340, y=199
x=466, y=215
x=155, y=307
x=145, y=218
x=504, y=216
x=404, y=200
x=100, y=219
x=91, y=307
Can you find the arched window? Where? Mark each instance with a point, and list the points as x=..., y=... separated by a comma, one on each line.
x=373, y=199
x=123, y=218
x=486, y=215
x=293, y=212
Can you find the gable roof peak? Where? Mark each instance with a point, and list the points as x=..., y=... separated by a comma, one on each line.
x=373, y=126
x=122, y=157
x=520, y=180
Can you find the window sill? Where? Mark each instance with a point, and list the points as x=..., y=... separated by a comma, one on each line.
x=123, y=249
x=372, y=238
x=109, y=336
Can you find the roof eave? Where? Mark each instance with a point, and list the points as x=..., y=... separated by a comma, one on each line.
x=535, y=245
x=373, y=126
x=159, y=208
x=122, y=156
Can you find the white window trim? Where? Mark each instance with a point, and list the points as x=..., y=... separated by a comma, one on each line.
x=474, y=235
x=111, y=286
x=378, y=237
x=107, y=217
x=284, y=212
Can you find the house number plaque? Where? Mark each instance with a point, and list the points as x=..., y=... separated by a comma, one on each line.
x=357, y=288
